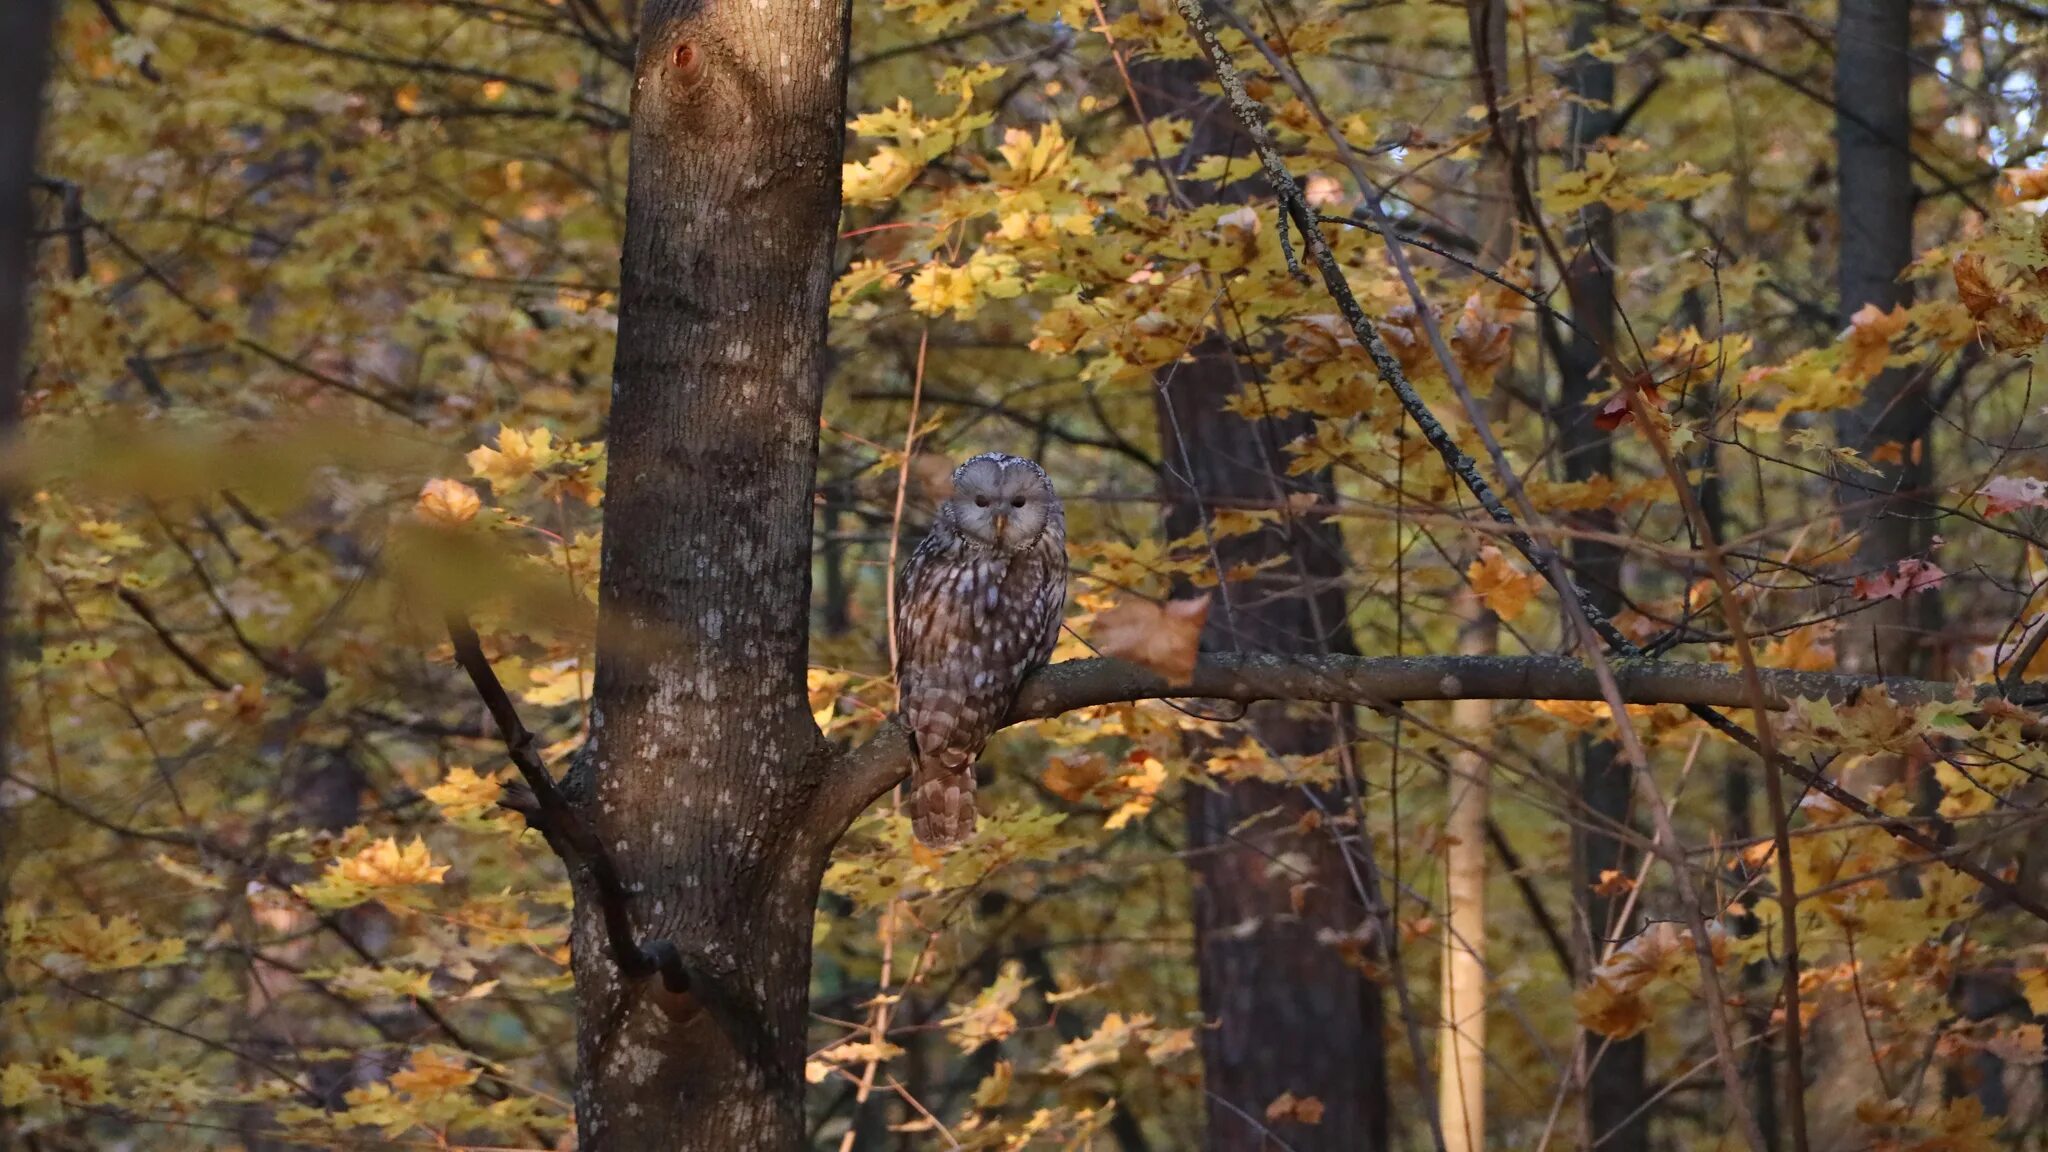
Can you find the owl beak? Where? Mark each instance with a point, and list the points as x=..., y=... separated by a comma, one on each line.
x=1002, y=526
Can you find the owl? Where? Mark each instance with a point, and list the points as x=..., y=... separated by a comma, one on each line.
x=978, y=609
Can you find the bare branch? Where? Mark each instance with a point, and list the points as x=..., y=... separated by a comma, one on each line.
x=550, y=813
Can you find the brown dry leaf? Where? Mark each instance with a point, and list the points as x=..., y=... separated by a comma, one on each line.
x=1610, y=1011
x=1481, y=340
x=1299, y=1109
x=2007, y=325
x=1164, y=638
x=1407, y=339
x=1321, y=338
x=1973, y=284
x=1071, y=776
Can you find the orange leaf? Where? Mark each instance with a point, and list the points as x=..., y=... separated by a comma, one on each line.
x=1164, y=638
x=1870, y=336
x=1506, y=589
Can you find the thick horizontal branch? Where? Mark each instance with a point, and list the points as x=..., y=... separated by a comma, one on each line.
x=873, y=768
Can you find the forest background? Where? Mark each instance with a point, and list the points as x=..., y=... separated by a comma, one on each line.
x=1737, y=308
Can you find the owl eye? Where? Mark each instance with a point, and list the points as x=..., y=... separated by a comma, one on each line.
x=1017, y=503
x=981, y=501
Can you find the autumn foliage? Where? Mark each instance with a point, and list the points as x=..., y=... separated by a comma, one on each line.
x=323, y=329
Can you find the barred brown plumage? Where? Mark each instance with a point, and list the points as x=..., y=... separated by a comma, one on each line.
x=978, y=609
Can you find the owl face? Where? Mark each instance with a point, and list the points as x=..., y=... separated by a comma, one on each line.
x=1001, y=502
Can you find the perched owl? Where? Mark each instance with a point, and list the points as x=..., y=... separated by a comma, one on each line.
x=977, y=610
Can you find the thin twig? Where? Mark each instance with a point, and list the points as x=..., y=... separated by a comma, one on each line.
x=1781, y=835
x=563, y=828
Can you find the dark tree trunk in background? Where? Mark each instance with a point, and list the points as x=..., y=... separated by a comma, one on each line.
x=24, y=64
x=1873, y=133
x=1614, y=1116
x=1287, y=1012
x=704, y=762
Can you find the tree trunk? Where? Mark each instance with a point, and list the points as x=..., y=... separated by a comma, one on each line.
x=1461, y=1051
x=704, y=762
x=1461, y=1044
x=1873, y=132
x=1613, y=1113
x=1267, y=980
x=24, y=65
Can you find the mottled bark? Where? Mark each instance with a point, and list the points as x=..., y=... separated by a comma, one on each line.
x=704, y=758
x=1612, y=1113
x=1267, y=980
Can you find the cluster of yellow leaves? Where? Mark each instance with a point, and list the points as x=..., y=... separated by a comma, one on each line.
x=915, y=140
x=384, y=870
x=566, y=468
x=466, y=797
x=1117, y=1036
x=69, y=945
x=1606, y=179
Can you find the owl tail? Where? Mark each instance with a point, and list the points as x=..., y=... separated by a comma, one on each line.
x=942, y=798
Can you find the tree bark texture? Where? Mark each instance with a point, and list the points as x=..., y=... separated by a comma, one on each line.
x=1613, y=1114
x=1873, y=134
x=1287, y=1012
x=704, y=762
x=25, y=27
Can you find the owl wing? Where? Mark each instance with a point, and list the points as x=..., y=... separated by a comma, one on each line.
x=1047, y=592
x=946, y=641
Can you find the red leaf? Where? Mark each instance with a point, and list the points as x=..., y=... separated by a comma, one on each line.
x=2006, y=493
x=1900, y=581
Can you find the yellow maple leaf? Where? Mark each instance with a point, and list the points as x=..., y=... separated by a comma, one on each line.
x=880, y=177
x=518, y=456
x=104, y=945
x=938, y=288
x=1034, y=159
x=463, y=793
x=988, y=1017
x=386, y=865
x=432, y=1073
x=447, y=503
x=1142, y=784
x=1104, y=1046
x=2034, y=986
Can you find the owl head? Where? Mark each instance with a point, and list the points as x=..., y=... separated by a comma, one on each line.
x=1001, y=502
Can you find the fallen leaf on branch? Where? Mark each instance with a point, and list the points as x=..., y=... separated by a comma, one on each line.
x=1165, y=638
